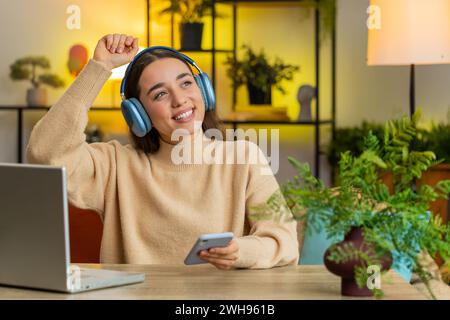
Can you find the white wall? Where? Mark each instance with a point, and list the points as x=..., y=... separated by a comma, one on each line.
x=380, y=93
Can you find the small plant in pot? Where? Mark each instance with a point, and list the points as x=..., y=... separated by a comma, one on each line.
x=191, y=25
x=379, y=228
x=26, y=69
x=258, y=74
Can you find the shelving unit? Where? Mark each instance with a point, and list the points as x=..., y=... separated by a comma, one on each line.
x=316, y=123
x=20, y=110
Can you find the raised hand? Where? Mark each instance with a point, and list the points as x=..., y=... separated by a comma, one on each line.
x=115, y=50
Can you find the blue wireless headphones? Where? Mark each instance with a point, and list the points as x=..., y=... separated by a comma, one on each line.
x=132, y=109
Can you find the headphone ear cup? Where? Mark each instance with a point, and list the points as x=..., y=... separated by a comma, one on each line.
x=207, y=90
x=202, y=90
x=136, y=117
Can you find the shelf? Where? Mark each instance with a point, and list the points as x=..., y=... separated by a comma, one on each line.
x=282, y=122
x=207, y=50
x=259, y=1
x=225, y=121
x=48, y=107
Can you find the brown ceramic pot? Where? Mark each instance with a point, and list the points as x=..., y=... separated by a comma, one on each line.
x=346, y=270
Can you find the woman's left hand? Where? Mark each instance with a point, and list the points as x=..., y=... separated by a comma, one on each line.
x=222, y=258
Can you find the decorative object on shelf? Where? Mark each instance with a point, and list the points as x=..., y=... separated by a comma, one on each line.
x=191, y=36
x=255, y=71
x=191, y=25
x=398, y=223
x=305, y=95
x=93, y=134
x=25, y=69
x=78, y=57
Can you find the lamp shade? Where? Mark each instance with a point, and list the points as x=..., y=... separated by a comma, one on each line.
x=409, y=32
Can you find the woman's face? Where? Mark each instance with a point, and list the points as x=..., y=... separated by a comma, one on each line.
x=171, y=96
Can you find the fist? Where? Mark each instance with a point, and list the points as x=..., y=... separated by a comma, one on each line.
x=115, y=50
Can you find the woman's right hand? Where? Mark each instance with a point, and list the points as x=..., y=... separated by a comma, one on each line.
x=115, y=50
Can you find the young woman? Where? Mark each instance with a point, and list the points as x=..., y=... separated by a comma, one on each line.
x=152, y=208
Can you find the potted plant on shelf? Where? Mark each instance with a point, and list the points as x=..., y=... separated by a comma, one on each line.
x=379, y=228
x=255, y=71
x=191, y=25
x=26, y=69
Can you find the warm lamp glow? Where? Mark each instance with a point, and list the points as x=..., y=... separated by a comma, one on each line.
x=119, y=73
x=411, y=32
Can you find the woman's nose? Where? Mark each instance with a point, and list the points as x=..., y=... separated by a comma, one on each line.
x=178, y=99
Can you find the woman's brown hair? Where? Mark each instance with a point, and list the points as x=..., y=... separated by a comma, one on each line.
x=150, y=142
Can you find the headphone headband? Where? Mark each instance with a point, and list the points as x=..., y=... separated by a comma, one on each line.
x=150, y=49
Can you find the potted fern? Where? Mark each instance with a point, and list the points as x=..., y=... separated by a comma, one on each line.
x=191, y=25
x=258, y=74
x=378, y=227
x=27, y=69
x=436, y=139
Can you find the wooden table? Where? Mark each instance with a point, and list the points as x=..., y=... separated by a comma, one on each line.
x=207, y=282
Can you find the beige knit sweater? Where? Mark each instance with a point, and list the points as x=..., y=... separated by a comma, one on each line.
x=152, y=209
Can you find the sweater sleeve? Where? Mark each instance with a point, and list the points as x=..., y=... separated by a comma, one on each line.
x=58, y=139
x=272, y=240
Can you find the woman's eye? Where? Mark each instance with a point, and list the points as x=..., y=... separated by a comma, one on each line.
x=158, y=95
x=187, y=83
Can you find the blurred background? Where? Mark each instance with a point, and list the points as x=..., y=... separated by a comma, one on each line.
x=328, y=57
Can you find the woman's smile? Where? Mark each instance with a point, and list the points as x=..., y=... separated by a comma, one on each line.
x=184, y=116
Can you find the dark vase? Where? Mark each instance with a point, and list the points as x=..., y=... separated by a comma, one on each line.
x=191, y=36
x=346, y=270
x=258, y=96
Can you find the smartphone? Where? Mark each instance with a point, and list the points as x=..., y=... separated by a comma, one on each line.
x=206, y=241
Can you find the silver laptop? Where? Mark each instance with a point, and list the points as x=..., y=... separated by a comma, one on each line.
x=34, y=234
